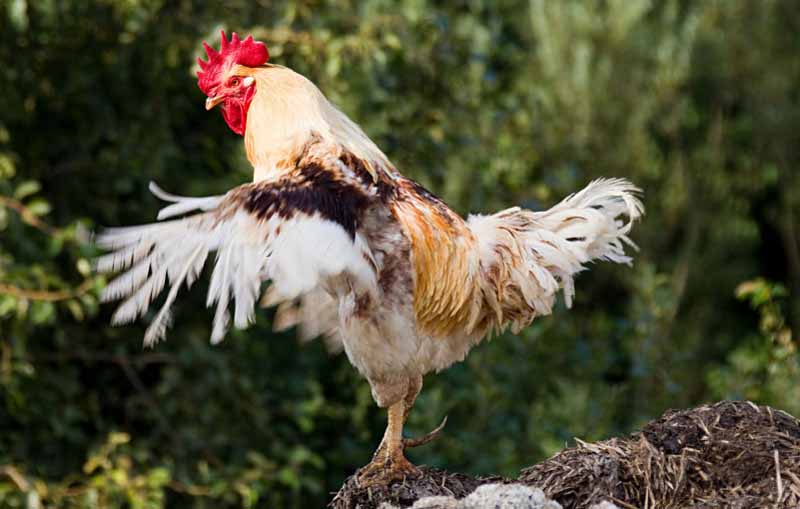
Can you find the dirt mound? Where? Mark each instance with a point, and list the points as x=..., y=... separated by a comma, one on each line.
x=730, y=454
x=432, y=482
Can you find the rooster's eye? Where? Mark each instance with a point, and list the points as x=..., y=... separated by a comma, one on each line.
x=233, y=82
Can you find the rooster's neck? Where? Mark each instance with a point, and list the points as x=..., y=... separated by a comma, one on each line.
x=286, y=112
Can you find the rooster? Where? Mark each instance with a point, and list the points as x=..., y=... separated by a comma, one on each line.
x=353, y=250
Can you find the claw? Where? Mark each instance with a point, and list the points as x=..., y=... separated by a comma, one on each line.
x=429, y=437
x=388, y=463
x=385, y=471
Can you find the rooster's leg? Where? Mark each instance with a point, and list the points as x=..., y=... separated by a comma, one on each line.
x=414, y=388
x=389, y=464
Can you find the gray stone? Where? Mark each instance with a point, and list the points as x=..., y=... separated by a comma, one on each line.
x=605, y=505
x=493, y=496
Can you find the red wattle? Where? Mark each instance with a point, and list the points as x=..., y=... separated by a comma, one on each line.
x=234, y=111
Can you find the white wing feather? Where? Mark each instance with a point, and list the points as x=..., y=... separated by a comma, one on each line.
x=300, y=255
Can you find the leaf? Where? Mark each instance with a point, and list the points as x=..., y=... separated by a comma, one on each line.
x=289, y=477
x=7, y=305
x=27, y=188
x=84, y=267
x=42, y=312
x=76, y=309
x=39, y=207
x=158, y=477
x=118, y=438
x=7, y=168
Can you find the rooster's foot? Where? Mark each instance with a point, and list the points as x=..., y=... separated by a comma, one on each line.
x=386, y=468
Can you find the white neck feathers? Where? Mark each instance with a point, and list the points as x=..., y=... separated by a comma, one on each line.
x=286, y=109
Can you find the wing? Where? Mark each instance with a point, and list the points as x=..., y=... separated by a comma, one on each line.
x=315, y=314
x=298, y=232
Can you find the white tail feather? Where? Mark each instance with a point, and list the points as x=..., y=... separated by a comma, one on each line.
x=526, y=257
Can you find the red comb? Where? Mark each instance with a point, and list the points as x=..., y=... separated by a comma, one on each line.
x=248, y=52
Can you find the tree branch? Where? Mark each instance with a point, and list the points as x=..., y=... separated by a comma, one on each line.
x=27, y=216
x=16, y=477
x=46, y=295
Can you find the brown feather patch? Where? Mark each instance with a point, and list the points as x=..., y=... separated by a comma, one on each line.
x=444, y=258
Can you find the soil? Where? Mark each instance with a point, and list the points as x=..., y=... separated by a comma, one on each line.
x=432, y=482
x=729, y=454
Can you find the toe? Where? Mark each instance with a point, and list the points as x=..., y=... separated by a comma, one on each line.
x=386, y=470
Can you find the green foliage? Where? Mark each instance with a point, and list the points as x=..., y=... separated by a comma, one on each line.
x=490, y=104
x=766, y=366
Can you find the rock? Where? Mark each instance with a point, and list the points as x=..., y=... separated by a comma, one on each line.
x=492, y=496
x=508, y=496
x=605, y=505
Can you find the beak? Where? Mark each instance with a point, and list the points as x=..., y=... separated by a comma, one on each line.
x=213, y=101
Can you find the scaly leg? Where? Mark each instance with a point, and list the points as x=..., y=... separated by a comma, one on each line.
x=414, y=387
x=389, y=464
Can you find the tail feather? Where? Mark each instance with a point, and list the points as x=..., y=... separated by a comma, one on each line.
x=526, y=257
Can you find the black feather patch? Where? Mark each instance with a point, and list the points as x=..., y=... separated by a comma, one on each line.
x=312, y=188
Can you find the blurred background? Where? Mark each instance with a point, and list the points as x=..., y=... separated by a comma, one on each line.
x=489, y=103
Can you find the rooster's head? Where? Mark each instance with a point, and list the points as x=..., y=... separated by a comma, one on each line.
x=226, y=77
